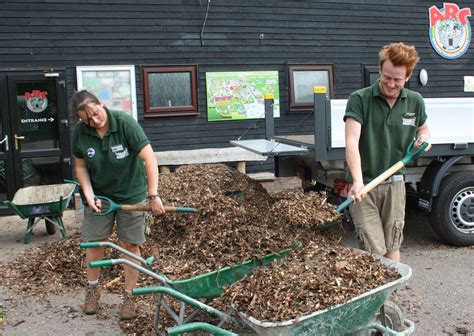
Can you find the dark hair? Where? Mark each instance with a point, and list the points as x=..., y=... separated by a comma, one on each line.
x=81, y=98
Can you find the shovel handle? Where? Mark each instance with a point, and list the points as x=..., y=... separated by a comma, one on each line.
x=372, y=184
x=407, y=158
x=146, y=207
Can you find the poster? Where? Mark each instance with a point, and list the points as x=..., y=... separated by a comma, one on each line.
x=240, y=95
x=113, y=85
x=468, y=83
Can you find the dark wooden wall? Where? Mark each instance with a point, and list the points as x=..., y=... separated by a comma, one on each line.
x=346, y=34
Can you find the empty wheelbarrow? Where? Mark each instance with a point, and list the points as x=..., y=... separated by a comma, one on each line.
x=46, y=202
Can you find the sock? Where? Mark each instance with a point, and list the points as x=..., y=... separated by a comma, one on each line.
x=93, y=282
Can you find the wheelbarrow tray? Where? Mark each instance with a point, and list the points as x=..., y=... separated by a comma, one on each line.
x=211, y=285
x=41, y=200
x=340, y=319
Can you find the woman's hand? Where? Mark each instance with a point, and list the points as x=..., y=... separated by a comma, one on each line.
x=94, y=203
x=156, y=205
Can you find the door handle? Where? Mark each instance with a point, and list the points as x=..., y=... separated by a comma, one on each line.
x=5, y=139
x=18, y=137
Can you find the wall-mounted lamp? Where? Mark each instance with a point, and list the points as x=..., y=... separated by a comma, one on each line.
x=423, y=77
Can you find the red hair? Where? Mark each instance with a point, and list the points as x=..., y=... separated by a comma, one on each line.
x=400, y=54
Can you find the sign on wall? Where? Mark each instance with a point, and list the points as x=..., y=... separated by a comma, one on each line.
x=450, y=31
x=114, y=85
x=240, y=95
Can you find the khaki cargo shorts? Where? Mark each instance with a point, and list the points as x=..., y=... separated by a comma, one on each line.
x=131, y=226
x=380, y=217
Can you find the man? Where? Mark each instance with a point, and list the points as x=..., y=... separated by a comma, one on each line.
x=110, y=148
x=381, y=121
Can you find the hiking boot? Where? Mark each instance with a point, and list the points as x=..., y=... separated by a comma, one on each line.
x=129, y=309
x=91, y=304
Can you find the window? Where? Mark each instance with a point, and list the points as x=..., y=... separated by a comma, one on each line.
x=370, y=75
x=302, y=79
x=112, y=84
x=170, y=91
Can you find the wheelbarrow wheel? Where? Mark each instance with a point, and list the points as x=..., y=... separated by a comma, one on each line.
x=50, y=227
x=393, y=318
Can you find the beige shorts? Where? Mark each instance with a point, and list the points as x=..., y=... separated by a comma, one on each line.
x=131, y=226
x=380, y=217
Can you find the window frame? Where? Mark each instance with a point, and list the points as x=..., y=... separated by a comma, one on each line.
x=293, y=105
x=80, y=69
x=173, y=111
x=367, y=71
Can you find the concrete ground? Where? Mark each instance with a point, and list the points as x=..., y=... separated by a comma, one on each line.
x=439, y=298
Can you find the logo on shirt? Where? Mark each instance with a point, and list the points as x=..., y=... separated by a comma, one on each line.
x=90, y=152
x=409, y=119
x=120, y=151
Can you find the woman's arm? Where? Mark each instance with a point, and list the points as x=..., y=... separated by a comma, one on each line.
x=151, y=167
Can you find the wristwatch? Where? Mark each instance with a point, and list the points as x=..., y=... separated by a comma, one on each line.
x=152, y=197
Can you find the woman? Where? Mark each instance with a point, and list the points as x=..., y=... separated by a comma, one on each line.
x=110, y=148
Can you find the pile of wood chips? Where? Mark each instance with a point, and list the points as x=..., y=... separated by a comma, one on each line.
x=310, y=279
x=237, y=220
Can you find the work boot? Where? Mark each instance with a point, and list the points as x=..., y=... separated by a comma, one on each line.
x=129, y=309
x=91, y=303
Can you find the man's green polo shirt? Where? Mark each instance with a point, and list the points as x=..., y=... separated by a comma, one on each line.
x=115, y=169
x=386, y=132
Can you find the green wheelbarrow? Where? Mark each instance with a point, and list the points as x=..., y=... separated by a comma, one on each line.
x=360, y=316
x=188, y=292
x=46, y=202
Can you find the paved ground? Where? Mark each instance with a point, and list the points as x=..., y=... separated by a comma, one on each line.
x=439, y=298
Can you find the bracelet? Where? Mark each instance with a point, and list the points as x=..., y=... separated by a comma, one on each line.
x=152, y=197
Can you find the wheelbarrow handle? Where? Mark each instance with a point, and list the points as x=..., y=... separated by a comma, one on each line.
x=101, y=263
x=198, y=326
x=407, y=158
x=91, y=245
x=148, y=261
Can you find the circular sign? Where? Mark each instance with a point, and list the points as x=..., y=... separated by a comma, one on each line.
x=450, y=38
x=37, y=104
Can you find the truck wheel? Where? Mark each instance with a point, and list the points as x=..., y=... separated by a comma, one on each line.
x=453, y=210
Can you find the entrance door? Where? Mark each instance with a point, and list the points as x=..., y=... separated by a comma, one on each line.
x=34, y=126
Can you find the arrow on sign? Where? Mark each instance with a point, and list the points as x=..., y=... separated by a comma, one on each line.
x=51, y=119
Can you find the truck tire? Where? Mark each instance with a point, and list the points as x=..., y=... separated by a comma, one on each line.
x=453, y=210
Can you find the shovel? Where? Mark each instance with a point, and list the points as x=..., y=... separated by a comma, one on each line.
x=109, y=206
x=407, y=158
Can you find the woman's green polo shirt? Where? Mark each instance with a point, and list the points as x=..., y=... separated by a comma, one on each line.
x=386, y=132
x=116, y=171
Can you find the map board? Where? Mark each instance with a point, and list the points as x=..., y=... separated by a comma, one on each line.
x=239, y=95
